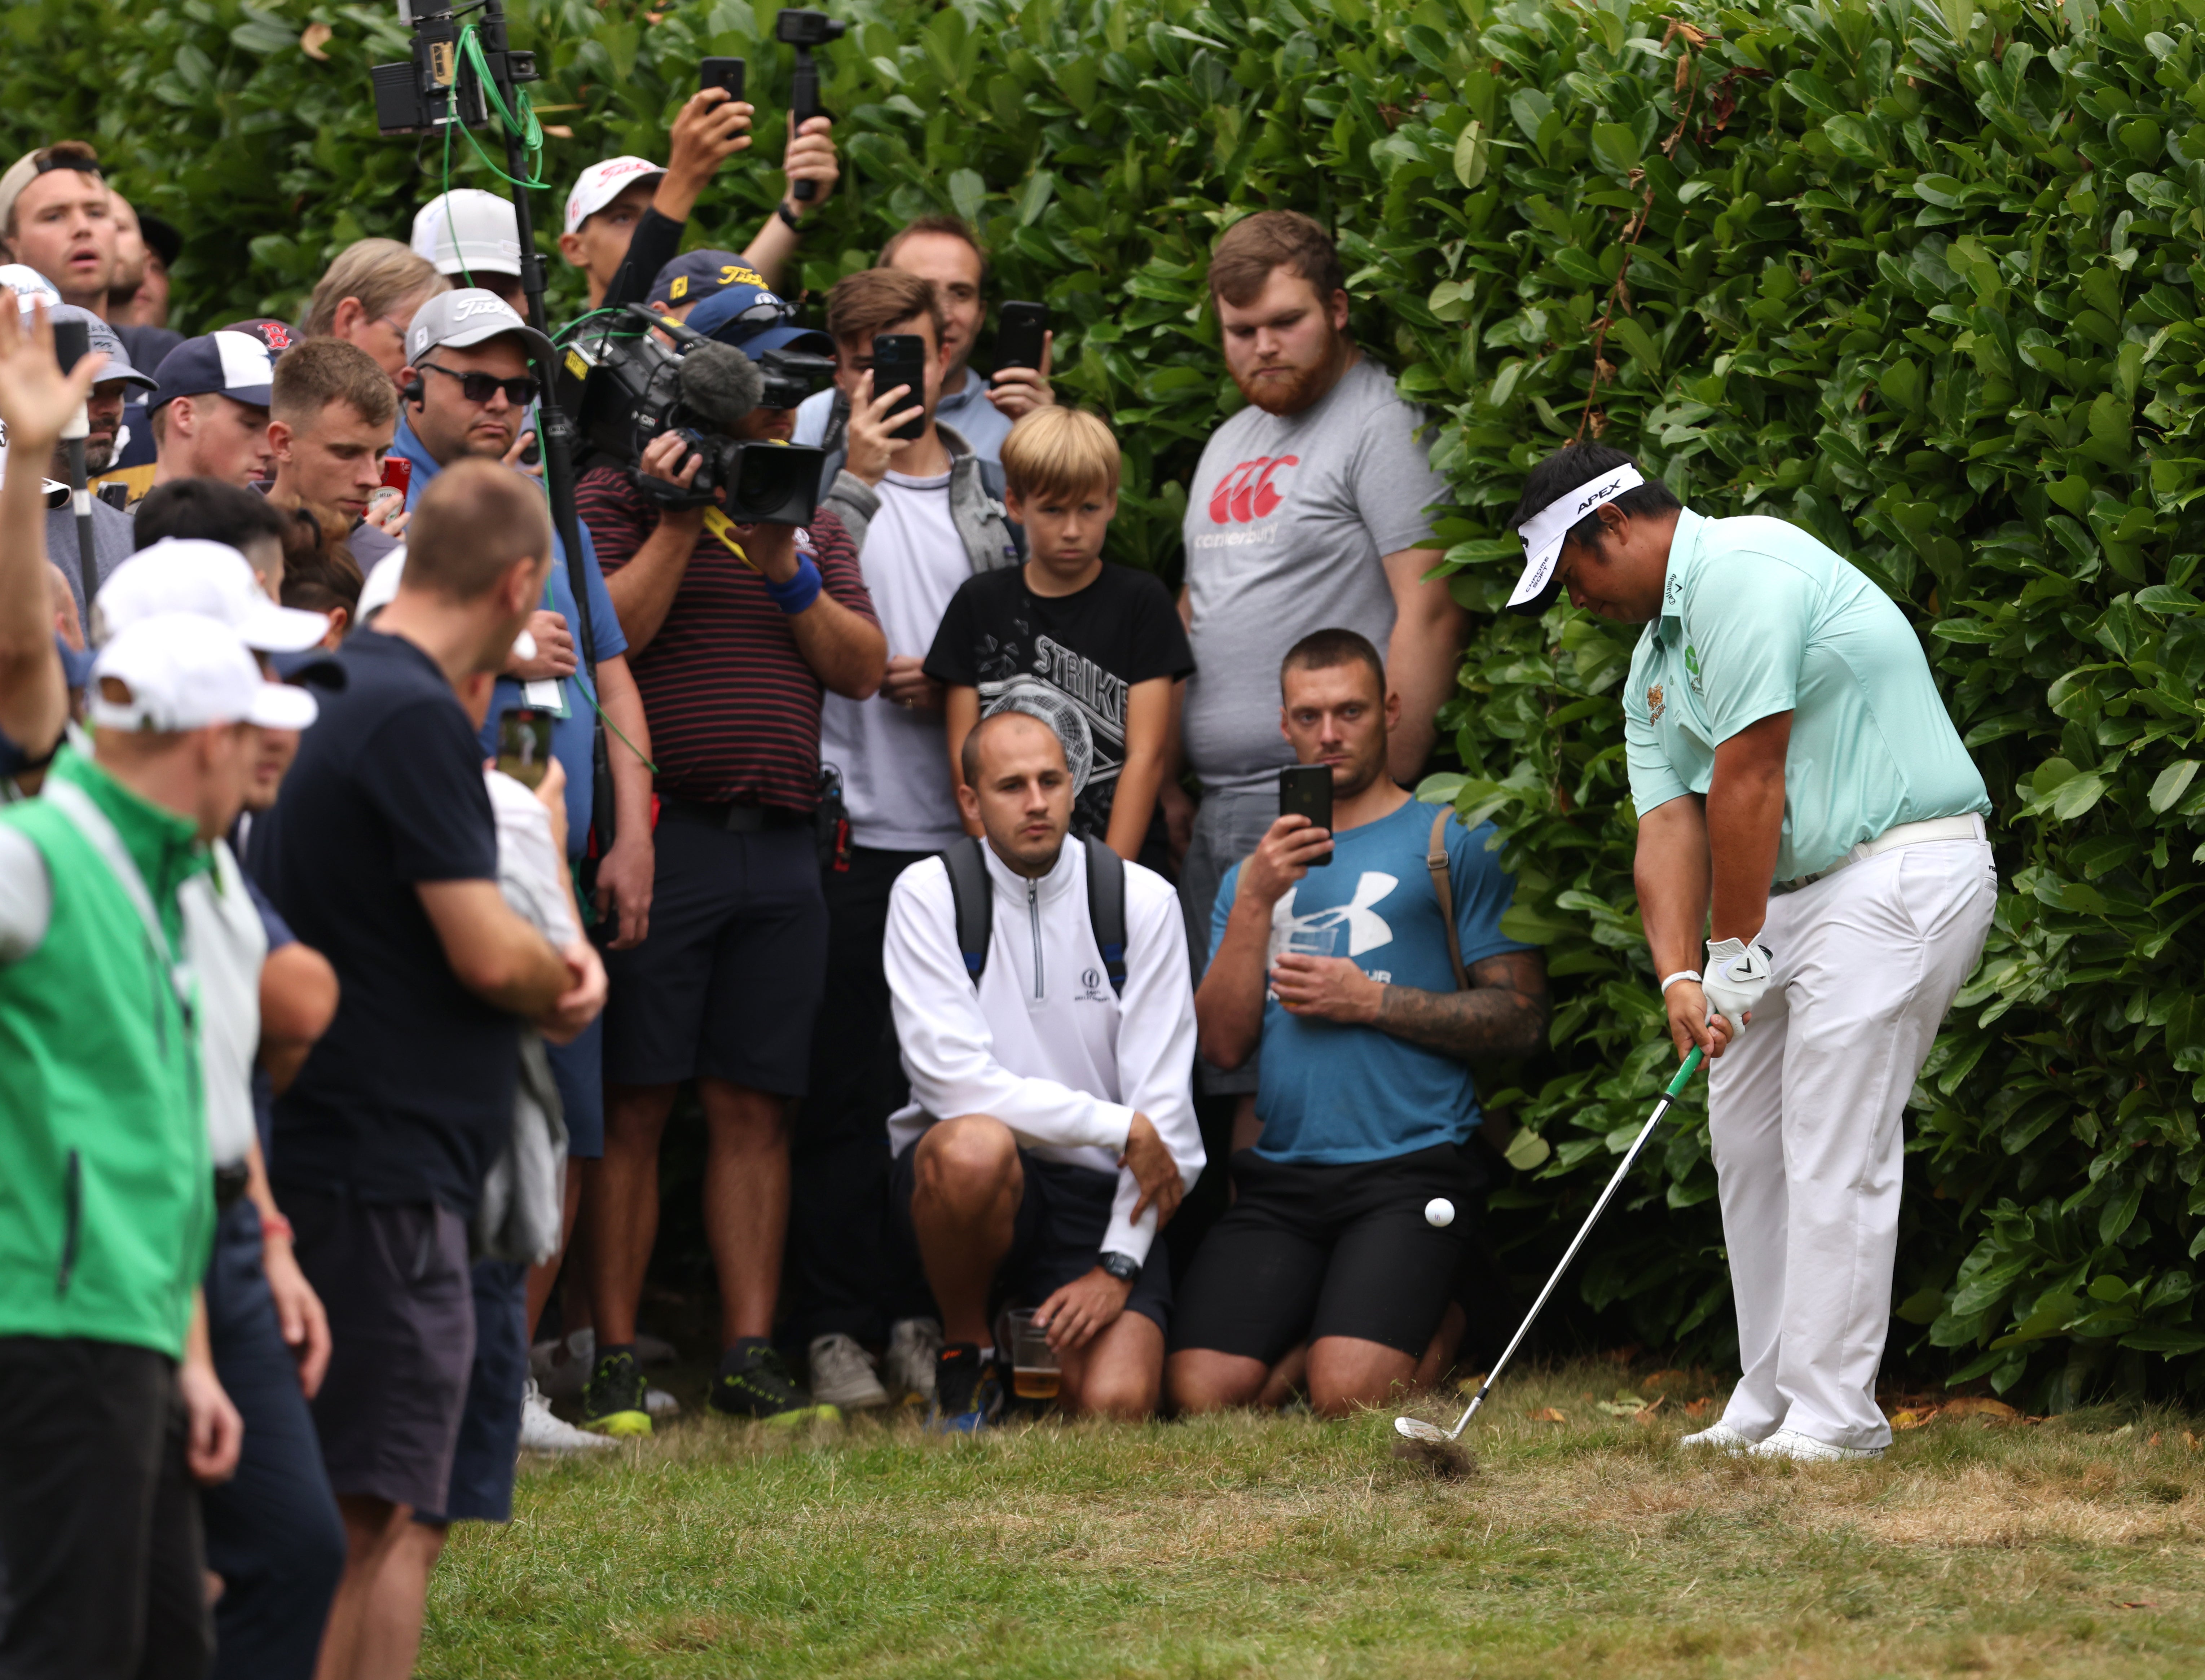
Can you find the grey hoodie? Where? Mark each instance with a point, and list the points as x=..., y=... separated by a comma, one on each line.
x=975, y=504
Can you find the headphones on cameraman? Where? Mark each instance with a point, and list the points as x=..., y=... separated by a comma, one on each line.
x=412, y=391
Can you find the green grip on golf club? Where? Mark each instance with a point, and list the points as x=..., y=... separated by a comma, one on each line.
x=1690, y=1066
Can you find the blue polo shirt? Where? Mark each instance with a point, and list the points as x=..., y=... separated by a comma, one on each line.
x=571, y=735
x=1759, y=617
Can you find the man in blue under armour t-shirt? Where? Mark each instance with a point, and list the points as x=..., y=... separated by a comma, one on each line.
x=1330, y=951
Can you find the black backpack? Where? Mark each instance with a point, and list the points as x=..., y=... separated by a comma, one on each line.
x=974, y=898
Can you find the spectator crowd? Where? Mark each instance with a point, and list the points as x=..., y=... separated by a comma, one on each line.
x=379, y=865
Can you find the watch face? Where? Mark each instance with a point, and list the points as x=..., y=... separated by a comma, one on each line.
x=1124, y=1267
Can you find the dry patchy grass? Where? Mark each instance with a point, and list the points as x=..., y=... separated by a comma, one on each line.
x=1282, y=1547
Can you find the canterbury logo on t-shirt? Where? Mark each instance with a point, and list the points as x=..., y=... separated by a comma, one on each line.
x=1247, y=491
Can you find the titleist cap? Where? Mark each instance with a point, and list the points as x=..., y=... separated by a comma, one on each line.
x=601, y=183
x=469, y=316
x=29, y=286
x=1543, y=534
x=180, y=671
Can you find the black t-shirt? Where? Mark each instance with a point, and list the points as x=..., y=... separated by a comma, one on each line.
x=1088, y=649
x=409, y=1095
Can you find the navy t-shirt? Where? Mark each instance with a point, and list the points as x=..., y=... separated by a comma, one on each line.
x=409, y=1095
x=264, y=1089
x=1330, y=1091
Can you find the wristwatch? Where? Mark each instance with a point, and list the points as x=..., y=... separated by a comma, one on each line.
x=1123, y=1267
x=788, y=218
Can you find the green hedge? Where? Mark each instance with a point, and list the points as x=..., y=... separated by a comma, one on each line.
x=1923, y=279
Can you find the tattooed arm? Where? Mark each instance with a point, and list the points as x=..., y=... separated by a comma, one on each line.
x=1503, y=1012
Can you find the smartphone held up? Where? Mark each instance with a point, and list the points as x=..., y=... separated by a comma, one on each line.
x=524, y=744
x=1305, y=790
x=899, y=358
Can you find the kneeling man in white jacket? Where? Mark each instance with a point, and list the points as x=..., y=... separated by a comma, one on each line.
x=1051, y=1128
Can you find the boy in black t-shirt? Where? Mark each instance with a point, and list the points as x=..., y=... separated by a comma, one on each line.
x=1093, y=649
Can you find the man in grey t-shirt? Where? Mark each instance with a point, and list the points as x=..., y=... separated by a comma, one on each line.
x=1307, y=513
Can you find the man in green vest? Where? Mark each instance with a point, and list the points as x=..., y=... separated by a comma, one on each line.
x=109, y=1406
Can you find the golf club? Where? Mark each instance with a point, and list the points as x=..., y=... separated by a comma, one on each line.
x=1430, y=1434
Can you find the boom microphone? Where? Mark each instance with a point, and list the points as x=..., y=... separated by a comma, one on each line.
x=719, y=384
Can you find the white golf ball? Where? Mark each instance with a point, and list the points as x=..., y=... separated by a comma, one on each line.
x=1439, y=1211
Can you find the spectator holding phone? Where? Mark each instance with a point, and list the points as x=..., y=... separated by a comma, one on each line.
x=382, y=853
x=925, y=512
x=943, y=251
x=624, y=218
x=1097, y=646
x=332, y=416
x=1335, y=950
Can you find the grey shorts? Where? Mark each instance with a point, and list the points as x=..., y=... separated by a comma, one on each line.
x=394, y=1282
x=1230, y=824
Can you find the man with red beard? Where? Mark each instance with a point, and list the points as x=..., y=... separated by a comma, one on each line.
x=1307, y=512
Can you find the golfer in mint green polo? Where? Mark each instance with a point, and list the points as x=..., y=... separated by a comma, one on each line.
x=1805, y=801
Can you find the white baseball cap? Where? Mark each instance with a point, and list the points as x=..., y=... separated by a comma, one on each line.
x=189, y=574
x=1544, y=531
x=601, y=183
x=381, y=589
x=466, y=231
x=465, y=317
x=184, y=671
x=29, y=286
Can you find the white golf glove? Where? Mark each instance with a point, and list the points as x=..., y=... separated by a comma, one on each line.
x=1738, y=974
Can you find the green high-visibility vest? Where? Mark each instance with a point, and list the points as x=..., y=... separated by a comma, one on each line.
x=106, y=1190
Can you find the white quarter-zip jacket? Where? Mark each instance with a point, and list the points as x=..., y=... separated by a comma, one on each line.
x=1044, y=1045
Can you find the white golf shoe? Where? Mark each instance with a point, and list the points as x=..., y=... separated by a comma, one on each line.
x=1720, y=1438
x=1806, y=1450
x=842, y=1373
x=541, y=1431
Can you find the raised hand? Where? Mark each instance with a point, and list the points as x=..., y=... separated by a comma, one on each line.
x=37, y=399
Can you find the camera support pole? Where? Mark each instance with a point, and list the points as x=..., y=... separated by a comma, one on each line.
x=558, y=430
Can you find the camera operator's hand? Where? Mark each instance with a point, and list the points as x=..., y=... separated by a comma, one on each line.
x=872, y=450
x=810, y=157
x=1017, y=391
x=555, y=649
x=667, y=457
x=710, y=129
x=772, y=549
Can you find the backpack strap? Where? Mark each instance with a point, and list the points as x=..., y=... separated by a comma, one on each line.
x=973, y=898
x=1106, y=908
x=1436, y=859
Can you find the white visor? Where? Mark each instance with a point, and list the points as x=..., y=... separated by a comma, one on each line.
x=1543, y=533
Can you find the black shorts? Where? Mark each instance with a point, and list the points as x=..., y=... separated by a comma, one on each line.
x=489, y=1422
x=1309, y=1251
x=1063, y=1218
x=394, y=1282
x=727, y=984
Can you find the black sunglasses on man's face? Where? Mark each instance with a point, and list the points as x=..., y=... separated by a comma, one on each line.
x=478, y=386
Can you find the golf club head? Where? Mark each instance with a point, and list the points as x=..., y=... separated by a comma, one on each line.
x=1418, y=1430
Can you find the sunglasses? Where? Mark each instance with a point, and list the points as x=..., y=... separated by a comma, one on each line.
x=480, y=386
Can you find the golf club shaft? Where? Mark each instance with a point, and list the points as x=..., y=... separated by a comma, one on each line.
x=1676, y=1089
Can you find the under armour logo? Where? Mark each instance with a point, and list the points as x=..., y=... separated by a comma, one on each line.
x=1366, y=928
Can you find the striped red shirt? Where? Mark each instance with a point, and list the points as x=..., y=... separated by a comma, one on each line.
x=733, y=707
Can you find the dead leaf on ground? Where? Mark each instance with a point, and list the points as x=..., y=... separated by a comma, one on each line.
x=1645, y=1414
x=2189, y=1440
x=1623, y=1405
x=2154, y=1442
x=1699, y=1407
x=1660, y=1378
x=2138, y=1603
x=1976, y=1405
x=1546, y=1414
x=1912, y=1417
x=312, y=39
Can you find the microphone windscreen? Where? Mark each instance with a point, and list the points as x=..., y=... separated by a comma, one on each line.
x=719, y=382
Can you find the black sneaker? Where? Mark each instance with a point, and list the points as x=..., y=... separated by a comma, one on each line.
x=968, y=1392
x=612, y=1399
x=756, y=1384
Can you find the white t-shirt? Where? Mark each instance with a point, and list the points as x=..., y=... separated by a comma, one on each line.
x=896, y=764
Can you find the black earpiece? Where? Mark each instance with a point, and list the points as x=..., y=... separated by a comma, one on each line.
x=411, y=392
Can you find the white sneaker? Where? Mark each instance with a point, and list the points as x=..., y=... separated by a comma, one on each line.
x=659, y=1403
x=914, y=1345
x=1722, y=1438
x=563, y=1366
x=1806, y=1450
x=543, y=1432
x=842, y=1373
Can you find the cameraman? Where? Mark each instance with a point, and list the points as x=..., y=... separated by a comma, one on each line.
x=624, y=218
x=733, y=660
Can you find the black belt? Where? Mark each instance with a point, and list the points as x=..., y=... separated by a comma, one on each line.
x=229, y=1182
x=735, y=818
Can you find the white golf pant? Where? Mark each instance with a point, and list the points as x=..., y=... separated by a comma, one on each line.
x=1804, y=1111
